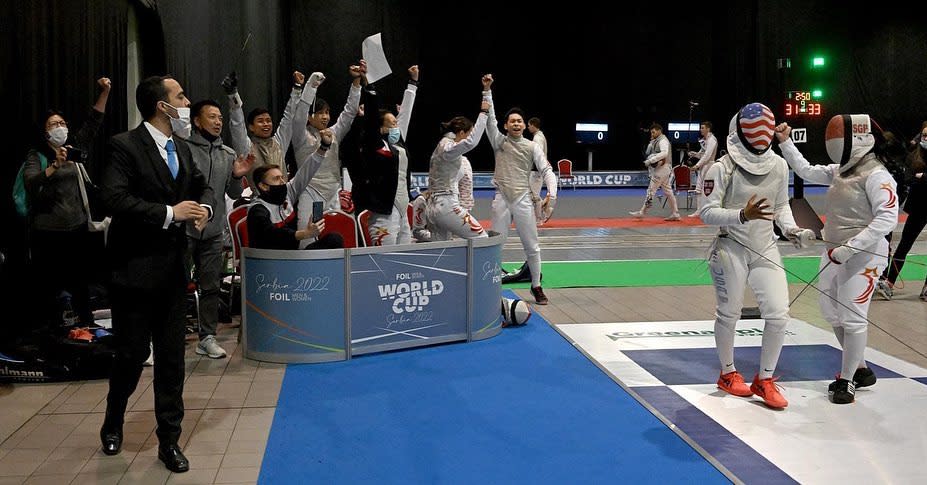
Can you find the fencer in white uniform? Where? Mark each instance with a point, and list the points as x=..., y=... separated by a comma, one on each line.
x=862, y=208
x=706, y=155
x=659, y=164
x=514, y=156
x=446, y=214
x=327, y=182
x=736, y=193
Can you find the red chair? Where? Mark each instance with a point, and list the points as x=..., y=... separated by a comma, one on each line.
x=565, y=172
x=341, y=223
x=363, y=219
x=410, y=213
x=682, y=182
x=234, y=217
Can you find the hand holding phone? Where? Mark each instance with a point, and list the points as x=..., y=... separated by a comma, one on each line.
x=316, y=211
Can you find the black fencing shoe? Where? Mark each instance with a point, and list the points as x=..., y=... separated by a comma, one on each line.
x=864, y=377
x=539, y=297
x=841, y=391
x=523, y=274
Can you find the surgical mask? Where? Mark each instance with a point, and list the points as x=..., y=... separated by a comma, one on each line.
x=276, y=194
x=924, y=144
x=393, y=136
x=181, y=124
x=58, y=135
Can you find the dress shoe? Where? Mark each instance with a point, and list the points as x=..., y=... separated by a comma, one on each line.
x=112, y=440
x=173, y=459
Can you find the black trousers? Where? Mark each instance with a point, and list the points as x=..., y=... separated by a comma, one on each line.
x=912, y=228
x=64, y=261
x=140, y=316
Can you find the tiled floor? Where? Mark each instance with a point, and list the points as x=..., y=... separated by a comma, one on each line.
x=49, y=433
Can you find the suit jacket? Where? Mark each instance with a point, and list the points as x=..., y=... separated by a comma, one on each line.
x=137, y=186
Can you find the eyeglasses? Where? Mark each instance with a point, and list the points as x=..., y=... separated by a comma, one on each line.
x=57, y=124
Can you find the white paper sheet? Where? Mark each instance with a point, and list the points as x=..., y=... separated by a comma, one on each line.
x=377, y=66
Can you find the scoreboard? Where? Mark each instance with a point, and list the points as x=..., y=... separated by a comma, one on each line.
x=803, y=104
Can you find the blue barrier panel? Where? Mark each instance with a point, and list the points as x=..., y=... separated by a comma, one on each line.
x=486, y=276
x=408, y=296
x=294, y=305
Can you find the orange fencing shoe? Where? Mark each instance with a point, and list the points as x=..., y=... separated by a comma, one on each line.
x=733, y=383
x=769, y=391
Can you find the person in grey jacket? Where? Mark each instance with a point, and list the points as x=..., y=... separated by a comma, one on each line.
x=60, y=244
x=224, y=172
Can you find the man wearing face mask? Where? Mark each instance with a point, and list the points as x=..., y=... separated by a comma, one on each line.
x=153, y=189
x=862, y=207
x=57, y=218
x=273, y=215
x=223, y=174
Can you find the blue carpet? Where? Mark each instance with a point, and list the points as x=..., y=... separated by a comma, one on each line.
x=522, y=407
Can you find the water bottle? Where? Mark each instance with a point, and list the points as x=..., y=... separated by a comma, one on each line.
x=68, y=315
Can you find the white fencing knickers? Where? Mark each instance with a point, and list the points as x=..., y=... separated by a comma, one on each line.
x=522, y=212
x=389, y=229
x=447, y=217
x=852, y=284
x=304, y=214
x=657, y=182
x=733, y=267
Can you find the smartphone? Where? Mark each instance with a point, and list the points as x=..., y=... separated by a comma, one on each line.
x=316, y=211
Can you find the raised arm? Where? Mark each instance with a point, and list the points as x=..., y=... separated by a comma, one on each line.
x=818, y=174
x=352, y=105
x=308, y=169
x=492, y=125
x=408, y=101
x=301, y=147
x=302, y=99
x=240, y=141
x=453, y=149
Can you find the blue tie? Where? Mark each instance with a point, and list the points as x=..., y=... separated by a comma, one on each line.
x=172, y=164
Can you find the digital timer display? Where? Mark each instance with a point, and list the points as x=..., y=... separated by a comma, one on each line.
x=802, y=103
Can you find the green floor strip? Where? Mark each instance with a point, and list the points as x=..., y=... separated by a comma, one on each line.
x=672, y=272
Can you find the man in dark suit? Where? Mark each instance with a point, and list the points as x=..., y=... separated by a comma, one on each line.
x=152, y=188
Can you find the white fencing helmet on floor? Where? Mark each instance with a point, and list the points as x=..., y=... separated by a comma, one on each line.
x=514, y=312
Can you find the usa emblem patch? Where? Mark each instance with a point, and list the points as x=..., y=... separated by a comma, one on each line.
x=709, y=185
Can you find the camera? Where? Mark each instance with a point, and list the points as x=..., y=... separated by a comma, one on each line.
x=74, y=154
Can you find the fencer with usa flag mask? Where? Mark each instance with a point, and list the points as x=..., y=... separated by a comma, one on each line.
x=862, y=207
x=737, y=192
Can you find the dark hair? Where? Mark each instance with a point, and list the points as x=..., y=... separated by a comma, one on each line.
x=319, y=105
x=381, y=115
x=261, y=172
x=535, y=122
x=707, y=124
x=198, y=106
x=657, y=126
x=148, y=93
x=48, y=114
x=456, y=124
x=514, y=111
x=255, y=113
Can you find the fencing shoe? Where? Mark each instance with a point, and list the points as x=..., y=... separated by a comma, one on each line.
x=733, y=383
x=864, y=377
x=539, y=297
x=673, y=217
x=637, y=214
x=769, y=392
x=523, y=275
x=841, y=391
x=885, y=289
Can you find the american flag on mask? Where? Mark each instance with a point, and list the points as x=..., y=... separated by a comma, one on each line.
x=757, y=123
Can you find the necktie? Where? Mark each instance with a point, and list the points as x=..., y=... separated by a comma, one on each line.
x=172, y=164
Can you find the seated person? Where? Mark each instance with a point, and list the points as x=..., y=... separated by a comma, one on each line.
x=272, y=217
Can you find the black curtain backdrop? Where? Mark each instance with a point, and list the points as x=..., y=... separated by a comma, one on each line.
x=563, y=65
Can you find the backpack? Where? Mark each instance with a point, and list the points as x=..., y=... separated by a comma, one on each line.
x=20, y=197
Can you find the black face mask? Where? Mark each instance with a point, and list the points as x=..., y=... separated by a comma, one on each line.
x=207, y=135
x=276, y=194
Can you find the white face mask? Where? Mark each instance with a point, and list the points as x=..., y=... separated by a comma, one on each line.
x=181, y=124
x=58, y=136
x=924, y=143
